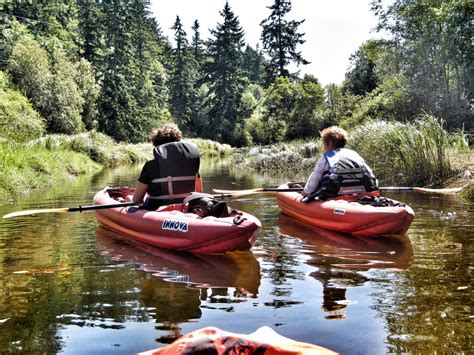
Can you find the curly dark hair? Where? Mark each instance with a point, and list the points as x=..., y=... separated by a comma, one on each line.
x=167, y=133
x=335, y=136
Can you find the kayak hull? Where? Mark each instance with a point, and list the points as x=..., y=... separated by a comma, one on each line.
x=171, y=228
x=347, y=216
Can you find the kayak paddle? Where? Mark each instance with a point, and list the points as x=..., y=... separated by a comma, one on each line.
x=82, y=208
x=262, y=190
x=237, y=193
x=67, y=209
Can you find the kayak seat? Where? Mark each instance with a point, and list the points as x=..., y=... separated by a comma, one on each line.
x=205, y=205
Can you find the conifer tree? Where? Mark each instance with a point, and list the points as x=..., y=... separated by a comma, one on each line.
x=223, y=74
x=182, y=82
x=280, y=39
x=196, y=43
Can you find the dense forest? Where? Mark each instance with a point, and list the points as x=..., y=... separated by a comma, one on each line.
x=70, y=66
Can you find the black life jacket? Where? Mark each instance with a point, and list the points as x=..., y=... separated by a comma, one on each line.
x=178, y=164
x=347, y=175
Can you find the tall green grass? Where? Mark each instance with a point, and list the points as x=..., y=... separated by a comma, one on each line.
x=99, y=147
x=282, y=158
x=417, y=153
x=210, y=148
x=23, y=169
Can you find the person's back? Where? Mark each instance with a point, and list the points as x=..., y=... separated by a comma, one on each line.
x=339, y=171
x=172, y=174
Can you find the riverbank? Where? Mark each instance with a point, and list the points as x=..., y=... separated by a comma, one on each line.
x=420, y=153
x=54, y=159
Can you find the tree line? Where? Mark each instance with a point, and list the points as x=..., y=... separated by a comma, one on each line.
x=70, y=66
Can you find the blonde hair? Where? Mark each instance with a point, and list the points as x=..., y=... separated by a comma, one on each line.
x=334, y=136
x=167, y=133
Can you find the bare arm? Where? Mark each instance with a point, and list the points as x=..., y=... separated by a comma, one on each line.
x=140, y=192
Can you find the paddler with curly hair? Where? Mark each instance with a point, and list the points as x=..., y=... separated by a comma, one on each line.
x=172, y=174
x=339, y=171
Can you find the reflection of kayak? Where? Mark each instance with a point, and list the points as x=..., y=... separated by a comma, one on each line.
x=349, y=251
x=347, y=216
x=237, y=269
x=170, y=228
x=212, y=340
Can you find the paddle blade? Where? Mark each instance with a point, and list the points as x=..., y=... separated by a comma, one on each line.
x=237, y=193
x=33, y=212
x=447, y=191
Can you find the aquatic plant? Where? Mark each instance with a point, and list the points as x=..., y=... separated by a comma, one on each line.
x=211, y=148
x=414, y=153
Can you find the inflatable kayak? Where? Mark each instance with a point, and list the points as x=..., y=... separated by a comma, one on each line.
x=172, y=227
x=212, y=340
x=348, y=215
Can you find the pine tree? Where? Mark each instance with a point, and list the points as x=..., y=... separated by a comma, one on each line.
x=182, y=82
x=225, y=78
x=280, y=39
x=254, y=65
x=196, y=43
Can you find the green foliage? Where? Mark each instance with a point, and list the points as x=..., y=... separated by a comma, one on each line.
x=90, y=91
x=433, y=51
x=254, y=65
x=18, y=120
x=291, y=110
x=412, y=154
x=386, y=102
x=361, y=77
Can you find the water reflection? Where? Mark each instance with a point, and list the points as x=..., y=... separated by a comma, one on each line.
x=340, y=258
x=202, y=281
x=239, y=269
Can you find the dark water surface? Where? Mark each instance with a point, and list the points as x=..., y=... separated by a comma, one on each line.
x=70, y=286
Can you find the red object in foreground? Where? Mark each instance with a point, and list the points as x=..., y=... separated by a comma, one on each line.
x=211, y=340
x=171, y=228
x=347, y=216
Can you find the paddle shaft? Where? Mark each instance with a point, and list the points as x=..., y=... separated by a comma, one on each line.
x=100, y=207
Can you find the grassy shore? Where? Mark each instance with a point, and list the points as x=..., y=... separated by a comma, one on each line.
x=53, y=159
x=419, y=153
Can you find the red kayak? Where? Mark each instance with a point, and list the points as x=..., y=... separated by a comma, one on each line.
x=348, y=215
x=171, y=227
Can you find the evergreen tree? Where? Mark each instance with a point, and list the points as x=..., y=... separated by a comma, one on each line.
x=182, y=82
x=196, y=43
x=92, y=28
x=119, y=109
x=224, y=78
x=361, y=77
x=254, y=65
x=280, y=39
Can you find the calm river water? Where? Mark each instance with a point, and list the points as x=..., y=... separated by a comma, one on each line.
x=70, y=286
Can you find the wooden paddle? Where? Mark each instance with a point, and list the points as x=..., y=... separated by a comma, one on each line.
x=67, y=209
x=273, y=190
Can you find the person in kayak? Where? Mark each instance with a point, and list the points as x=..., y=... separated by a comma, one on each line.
x=339, y=171
x=172, y=174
